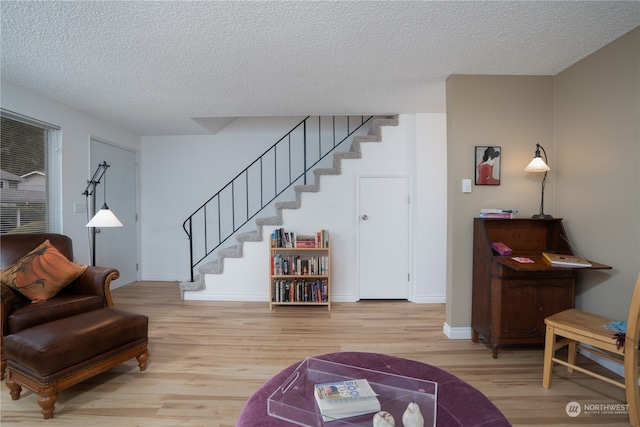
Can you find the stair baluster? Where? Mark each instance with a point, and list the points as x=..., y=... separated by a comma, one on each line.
x=201, y=216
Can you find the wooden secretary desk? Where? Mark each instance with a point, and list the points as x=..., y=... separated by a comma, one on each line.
x=510, y=300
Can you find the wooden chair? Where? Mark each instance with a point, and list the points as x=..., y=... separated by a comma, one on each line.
x=577, y=327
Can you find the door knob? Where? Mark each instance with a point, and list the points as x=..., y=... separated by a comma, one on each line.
x=365, y=217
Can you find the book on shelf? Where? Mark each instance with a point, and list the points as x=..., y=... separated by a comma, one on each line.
x=295, y=265
x=561, y=260
x=501, y=248
x=343, y=399
x=286, y=239
x=283, y=239
x=322, y=239
x=286, y=290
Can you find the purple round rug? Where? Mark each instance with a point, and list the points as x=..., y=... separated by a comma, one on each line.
x=459, y=404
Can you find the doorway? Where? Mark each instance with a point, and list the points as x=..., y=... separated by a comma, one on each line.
x=383, y=237
x=117, y=246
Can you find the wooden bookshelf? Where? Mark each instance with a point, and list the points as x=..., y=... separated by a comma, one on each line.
x=299, y=275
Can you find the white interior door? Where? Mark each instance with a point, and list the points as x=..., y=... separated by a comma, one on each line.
x=383, y=237
x=117, y=246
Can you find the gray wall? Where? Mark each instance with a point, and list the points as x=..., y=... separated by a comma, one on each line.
x=587, y=119
x=597, y=116
x=515, y=113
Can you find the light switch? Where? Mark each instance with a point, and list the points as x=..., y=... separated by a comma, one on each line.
x=466, y=185
x=79, y=208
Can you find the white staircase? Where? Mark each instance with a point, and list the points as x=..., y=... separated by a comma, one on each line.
x=241, y=272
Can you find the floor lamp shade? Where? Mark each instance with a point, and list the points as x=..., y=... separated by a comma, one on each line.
x=104, y=218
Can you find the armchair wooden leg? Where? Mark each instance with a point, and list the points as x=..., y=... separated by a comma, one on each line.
x=14, y=389
x=3, y=359
x=47, y=403
x=142, y=360
x=549, y=350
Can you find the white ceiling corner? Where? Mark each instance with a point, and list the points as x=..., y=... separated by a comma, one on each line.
x=213, y=124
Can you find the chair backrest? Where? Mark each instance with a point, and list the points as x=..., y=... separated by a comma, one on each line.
x=633, y=321
x=15, y=246
x=631, y=356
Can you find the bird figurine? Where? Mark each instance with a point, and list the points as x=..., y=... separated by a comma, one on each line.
x=412, y=416
x=383, y=419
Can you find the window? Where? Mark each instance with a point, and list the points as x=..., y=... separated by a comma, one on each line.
x=30, y=168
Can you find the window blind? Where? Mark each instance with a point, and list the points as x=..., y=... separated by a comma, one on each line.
x=30, y=181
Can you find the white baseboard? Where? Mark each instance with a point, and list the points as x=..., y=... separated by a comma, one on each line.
x=203, y=295
x=157, y=278
x=614, y=367
x=210, y=296
x=456, y=333
x=343, y=298
x=430, y=299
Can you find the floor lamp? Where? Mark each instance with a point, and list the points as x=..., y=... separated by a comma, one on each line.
x=104, y=217
x=539, y=165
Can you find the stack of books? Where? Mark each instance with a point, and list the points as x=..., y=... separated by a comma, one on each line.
x=305, y=241
x=498, y=213
x=344, y=399
x=559, y=260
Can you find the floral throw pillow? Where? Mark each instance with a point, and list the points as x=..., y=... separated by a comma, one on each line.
x=42, y=273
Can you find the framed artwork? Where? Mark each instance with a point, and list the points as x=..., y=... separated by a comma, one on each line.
x=487, y=164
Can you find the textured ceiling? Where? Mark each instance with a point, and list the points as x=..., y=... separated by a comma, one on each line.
x=185, y=67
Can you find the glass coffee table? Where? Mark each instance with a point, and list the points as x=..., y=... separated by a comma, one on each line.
x=293, y=401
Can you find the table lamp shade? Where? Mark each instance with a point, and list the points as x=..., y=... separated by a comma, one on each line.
x=537, y=165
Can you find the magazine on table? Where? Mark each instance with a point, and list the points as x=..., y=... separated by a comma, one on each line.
x=343, y=399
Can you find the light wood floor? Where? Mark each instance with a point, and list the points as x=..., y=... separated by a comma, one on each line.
x=207, y=358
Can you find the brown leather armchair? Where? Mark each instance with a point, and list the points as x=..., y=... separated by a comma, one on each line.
x=90, y=291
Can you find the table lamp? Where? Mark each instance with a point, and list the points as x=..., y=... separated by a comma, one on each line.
x=540, y=165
